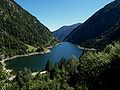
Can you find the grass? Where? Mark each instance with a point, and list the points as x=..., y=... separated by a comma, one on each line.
x=31, y=48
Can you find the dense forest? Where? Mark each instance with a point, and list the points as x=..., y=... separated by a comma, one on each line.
x=19, y=30
x=100, y=29
x=94, y=71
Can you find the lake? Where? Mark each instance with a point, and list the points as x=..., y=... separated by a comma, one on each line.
x=38, y=62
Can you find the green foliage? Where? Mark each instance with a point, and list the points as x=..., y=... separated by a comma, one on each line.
x=94, y=64
x=31, y=48
x=94, y=71
x=20, y=32
x=39, y=49
x=23, y=78
x=48, y=66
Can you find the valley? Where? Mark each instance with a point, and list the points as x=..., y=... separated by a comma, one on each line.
x=82, y=56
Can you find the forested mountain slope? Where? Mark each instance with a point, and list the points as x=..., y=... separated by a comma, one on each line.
x=95, y=70
x=18, y=29
x=100, y=29
x=63, y=32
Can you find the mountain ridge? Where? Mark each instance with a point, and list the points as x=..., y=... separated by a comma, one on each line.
x=18, y=28
x=63, y=31
x=96, y=31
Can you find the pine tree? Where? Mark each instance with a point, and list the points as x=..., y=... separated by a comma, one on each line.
x=48, y=66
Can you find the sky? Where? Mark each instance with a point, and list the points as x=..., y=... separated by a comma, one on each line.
x=57, y=13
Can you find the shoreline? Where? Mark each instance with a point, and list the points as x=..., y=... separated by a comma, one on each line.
x=17, y=56
x=36, y=53
x=87, y=49
x=47, y=50
x=33, y=74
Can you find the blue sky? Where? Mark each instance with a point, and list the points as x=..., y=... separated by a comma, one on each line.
x=56, y=13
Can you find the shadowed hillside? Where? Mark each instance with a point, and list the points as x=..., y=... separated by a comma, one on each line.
x=100, y=29
x=64, y=31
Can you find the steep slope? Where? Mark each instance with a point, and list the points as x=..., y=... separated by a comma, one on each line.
x=18, y=28
x=62, y=32
x=100, y=29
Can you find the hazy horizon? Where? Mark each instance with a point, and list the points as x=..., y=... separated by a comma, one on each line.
x=65, y=12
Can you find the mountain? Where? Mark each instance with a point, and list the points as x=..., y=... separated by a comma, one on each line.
x=19, y=30
x=62, y=32
x=100, y=29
